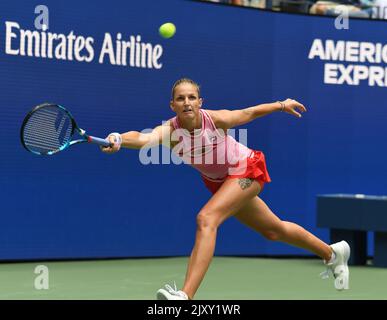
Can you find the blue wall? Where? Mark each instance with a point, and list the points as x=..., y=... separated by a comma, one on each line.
x=85, y=204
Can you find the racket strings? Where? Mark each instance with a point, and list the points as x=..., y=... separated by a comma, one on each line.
x=48, y=129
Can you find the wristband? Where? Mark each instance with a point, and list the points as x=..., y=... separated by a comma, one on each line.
x=117, y=137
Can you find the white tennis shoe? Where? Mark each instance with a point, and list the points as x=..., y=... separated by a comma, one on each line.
x=168, y=293
x=339, y=266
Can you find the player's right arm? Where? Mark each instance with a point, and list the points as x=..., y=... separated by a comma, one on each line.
x=137, y=140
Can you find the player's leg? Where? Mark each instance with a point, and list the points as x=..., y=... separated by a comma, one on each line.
x=258, y=216
x=232, y=195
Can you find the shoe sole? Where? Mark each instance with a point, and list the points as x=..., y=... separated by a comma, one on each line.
x=161, y=295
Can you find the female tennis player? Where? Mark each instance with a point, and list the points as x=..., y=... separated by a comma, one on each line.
x=234, y=174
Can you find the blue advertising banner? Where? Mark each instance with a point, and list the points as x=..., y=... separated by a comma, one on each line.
x=107, y=64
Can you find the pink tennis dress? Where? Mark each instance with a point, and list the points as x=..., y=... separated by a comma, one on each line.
x=217, y=155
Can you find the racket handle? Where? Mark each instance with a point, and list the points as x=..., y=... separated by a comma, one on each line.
x=99, y=141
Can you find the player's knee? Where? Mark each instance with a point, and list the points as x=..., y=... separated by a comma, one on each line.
x=205, y=221
x=274, y=234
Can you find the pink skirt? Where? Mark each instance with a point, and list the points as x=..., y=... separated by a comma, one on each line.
x=254, y=168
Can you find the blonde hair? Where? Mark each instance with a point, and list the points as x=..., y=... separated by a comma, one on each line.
x=184, y=80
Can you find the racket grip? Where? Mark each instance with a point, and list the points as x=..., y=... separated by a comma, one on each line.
x=99, y=141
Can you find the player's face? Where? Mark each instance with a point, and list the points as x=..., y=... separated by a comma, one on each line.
x=186, y=102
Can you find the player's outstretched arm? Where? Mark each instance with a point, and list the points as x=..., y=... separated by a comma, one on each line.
x=137, y=140
x=227, y=119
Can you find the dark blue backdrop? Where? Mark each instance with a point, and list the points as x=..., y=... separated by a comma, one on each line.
x=85, y=204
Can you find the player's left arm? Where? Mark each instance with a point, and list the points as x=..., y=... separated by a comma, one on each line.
x=227, y=119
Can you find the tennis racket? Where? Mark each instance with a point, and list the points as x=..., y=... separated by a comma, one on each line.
x=50, y=128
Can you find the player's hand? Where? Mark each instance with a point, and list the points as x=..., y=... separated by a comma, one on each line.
x=293, y=107
x=115, y=144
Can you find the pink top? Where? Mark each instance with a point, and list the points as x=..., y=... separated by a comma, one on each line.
x=209, y=150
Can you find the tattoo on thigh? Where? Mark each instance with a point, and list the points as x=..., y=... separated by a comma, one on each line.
x=245, y=183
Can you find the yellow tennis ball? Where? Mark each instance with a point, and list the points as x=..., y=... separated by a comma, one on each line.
x=167, y=30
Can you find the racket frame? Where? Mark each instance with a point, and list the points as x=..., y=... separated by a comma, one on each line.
x=84, y=137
